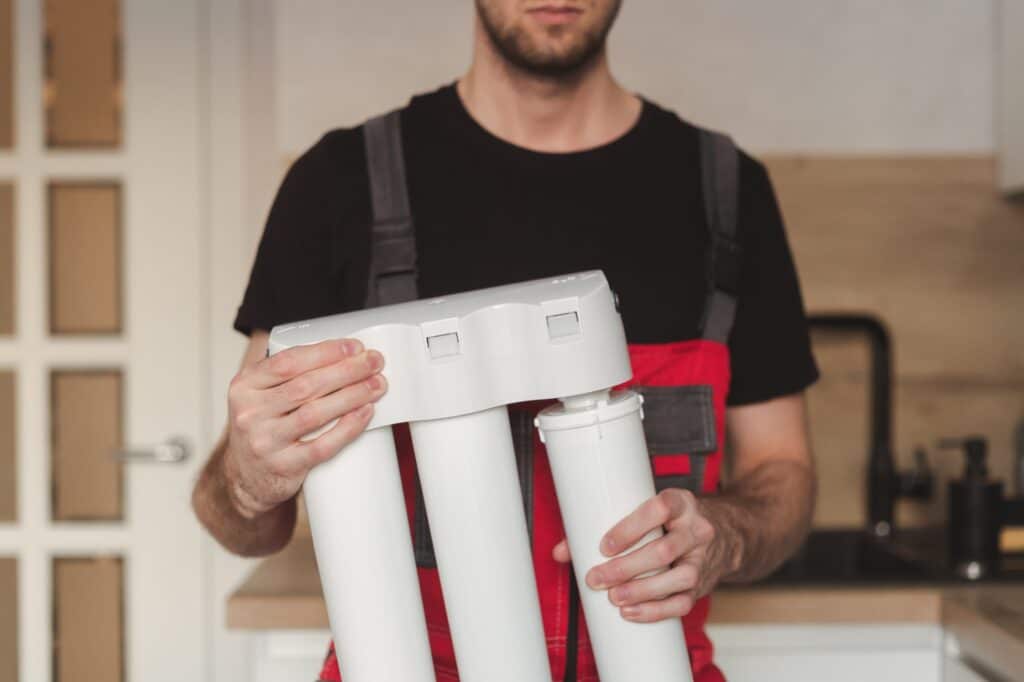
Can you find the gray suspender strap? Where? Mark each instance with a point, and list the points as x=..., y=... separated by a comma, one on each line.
x=392, y=238
x=720, y=179
x=393, y=259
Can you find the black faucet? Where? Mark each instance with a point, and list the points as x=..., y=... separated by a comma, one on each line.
x=884, y=483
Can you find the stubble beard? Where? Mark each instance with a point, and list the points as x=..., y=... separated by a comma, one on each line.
x=515, y=44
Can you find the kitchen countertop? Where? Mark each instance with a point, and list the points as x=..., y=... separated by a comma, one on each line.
x=283, y=593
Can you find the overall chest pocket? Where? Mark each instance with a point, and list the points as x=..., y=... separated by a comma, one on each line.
x=679, y=423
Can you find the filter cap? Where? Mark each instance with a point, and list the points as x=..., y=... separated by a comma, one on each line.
x=559, y=417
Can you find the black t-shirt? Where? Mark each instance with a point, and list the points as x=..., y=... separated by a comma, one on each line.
x=488, y=212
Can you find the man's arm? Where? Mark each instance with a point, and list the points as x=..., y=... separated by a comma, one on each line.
x=260, y=535
x=245, y=495
x=212, y=500
x=764, y=513
x=739, y=535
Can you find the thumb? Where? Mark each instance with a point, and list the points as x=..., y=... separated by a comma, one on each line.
x=560, y=553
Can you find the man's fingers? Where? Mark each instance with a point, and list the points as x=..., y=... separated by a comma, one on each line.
x=315, y=414
x=292, y=362
x=696, y=560
x=322, y=381
x=560, y=552
x=654, y=556
x=654, y=513
x=681, y=578
x=649, y=612
x=310, y=453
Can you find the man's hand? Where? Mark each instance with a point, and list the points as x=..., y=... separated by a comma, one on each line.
x=740, y=534
x=276, y=401
x=665, y=577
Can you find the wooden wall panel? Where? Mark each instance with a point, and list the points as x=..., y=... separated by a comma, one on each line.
x=7, y=263
x=302, y=529
x=83, y=73
x=924, y=412
x=87, y=430
x=8, y=444
x=928, y=245
x=88, y=635
x=838, y=413
x=8, y=619
x=85, y=258
x=6, y=74
x=927, y=411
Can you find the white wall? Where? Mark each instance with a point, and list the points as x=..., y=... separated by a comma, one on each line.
x=242, y=182
x=786, y=75
x=339, y=61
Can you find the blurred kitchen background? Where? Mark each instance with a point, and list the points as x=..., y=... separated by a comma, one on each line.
x=141, y=143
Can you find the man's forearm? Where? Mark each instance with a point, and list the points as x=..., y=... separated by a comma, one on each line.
x=761, y=518
x=215, y=508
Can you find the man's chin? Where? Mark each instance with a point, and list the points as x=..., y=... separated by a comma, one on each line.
x=547, y=57
x=558, y=42
x=560, y=67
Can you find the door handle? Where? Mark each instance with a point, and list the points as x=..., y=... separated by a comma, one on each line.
x=174, y=450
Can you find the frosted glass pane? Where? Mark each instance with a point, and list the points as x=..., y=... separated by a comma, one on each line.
x=88, y=625
x=8, y=619
x=6, y=259
x=85, y=258
x=8, y=468
x=87, y=431
x=83, y=73
x=6, y=75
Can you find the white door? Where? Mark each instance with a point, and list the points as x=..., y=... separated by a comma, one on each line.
x=164, y=171
x=115, y=593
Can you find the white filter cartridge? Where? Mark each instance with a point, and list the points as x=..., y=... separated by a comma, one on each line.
x=471, y=491
x=364, y=552
x=453, y=364
x=602, y=473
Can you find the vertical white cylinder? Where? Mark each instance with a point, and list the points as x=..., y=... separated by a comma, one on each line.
x=364, y=552
x=602, y=472
x=475, y=508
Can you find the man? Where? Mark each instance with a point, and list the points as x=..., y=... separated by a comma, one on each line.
x=535, y=163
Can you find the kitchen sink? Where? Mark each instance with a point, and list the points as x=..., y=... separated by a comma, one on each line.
x=852, y=556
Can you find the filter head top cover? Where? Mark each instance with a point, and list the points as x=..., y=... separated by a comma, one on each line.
x=451, y=355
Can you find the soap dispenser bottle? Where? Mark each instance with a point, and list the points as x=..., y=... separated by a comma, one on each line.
x=975, y=512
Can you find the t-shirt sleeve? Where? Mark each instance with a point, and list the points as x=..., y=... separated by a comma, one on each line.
x=770, y=344
x=297, y=271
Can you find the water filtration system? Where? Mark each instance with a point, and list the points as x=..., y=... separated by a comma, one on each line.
x=453, y=364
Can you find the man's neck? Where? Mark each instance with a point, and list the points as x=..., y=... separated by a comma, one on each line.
x=569, y=114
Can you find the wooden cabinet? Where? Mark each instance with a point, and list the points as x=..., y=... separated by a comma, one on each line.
x=755, y=652
x=836, y=652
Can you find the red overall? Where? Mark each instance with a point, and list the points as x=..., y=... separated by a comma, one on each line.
x=684, y=384
x=696, y=362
